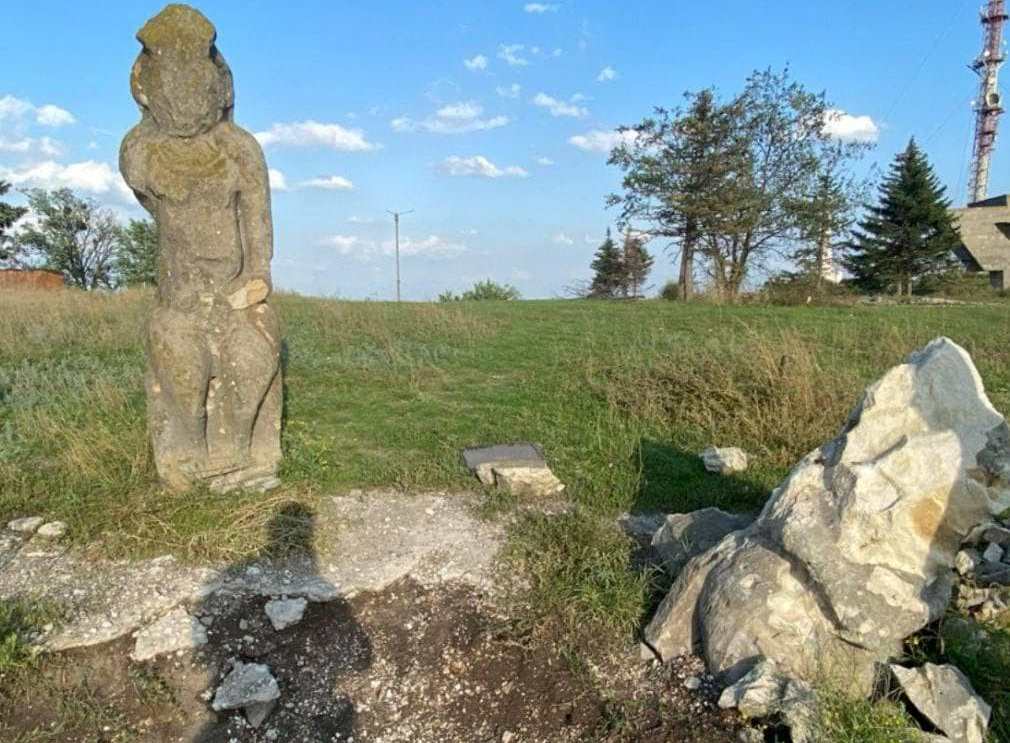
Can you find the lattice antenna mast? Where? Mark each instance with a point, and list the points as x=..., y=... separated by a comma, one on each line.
x=989, y=106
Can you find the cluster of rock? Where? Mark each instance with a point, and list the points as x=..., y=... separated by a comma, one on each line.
x=519, y=469
x=983, y=565
x=853, y=553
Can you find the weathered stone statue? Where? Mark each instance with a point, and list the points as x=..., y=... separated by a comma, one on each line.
x=214, y=379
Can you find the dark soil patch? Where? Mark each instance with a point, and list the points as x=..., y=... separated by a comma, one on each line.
x=405, y=664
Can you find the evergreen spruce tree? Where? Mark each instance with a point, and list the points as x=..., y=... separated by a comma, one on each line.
x=608, y=266
x=8, y=216
x=637, y=265
x=909, y=234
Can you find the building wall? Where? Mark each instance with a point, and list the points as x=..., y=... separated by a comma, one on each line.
x=47, y=280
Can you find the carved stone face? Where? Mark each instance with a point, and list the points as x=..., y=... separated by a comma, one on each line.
x=179, y=77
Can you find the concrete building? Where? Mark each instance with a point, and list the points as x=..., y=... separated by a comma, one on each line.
x=985, y=236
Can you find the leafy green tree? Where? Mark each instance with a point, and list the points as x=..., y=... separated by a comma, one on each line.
x=609, y=274
x=676, y=164
x=910, y=234
x=637, y=263
x=137, y=253
x=73, y=236
x=726, y=181
x=9, y=214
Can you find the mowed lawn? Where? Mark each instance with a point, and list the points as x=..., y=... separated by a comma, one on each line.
x=622, y=395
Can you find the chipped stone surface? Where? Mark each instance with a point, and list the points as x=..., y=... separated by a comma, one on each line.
x=52, y=530
x=945, y=697
x=993, y=553
x=524, y=481
x=855, y=550
x=684, y=535
x=26, y=525
x=764, y=692
x=175, y=631
x=285, y=612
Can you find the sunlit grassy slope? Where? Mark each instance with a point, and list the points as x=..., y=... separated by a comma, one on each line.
x=621, y=395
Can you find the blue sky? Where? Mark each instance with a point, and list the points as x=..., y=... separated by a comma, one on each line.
x=486, y=118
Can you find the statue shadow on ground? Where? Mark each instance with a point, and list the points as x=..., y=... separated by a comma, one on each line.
x=309, y=659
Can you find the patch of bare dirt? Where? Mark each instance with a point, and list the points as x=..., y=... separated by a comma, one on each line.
x=408, y=663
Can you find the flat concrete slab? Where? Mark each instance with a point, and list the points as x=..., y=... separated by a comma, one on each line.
x=518, y=453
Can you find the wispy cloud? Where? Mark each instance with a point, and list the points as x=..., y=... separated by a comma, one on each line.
x=562, y=239
x=455, y=118
x=545, y=161
x=316, y=134
x=479, y=166
x=848, y=128
x=511, y=91
x=328, y=183
x=607, y=74
x=559, y=107
x=598, y=140
x=364, y=250
x=25, y=145
x=540, y=8
x=476, y=63
x=512, y=54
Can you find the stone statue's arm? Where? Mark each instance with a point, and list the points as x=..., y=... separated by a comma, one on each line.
x=133, y=164
x=255, y=220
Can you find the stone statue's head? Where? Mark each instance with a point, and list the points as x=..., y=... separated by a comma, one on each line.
x=180, y=78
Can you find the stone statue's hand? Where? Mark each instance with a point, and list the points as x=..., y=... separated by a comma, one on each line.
x=253, y=291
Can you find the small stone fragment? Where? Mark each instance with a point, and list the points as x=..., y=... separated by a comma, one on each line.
x=944, y=695
x=763, y=691
x=177, y=630
x=255, y=714
x=967, y=561
x=692, y=683
x=52, y=530
x=285, y=612
x=26, y=525
x=724, y=461
x=990, y=573
x=684, y=535
x=997, y=535
x=524, y=481
x=246, y=684
x=993, y=553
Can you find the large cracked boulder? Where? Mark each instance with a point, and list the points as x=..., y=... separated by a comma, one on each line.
x=855, y=550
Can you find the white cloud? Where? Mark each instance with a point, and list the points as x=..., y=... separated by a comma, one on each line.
x=16, y=145
x=316, y=134
x=511, y=54
x=479, y=166
x=432, y=246
x=50, y=115
x=478, y=62
x=278, y=181
x=540, y=8
x=329, y=183
x=362, y=220
x=47, y=115
x=89, y=176
x=455, y=118
x=607, y=74
x=512, y=91
x=344, y=244
x=849, y=128
x=557, y=52
x=560, y=108
x=598, y=140
x=562, y=239
x=545, y=161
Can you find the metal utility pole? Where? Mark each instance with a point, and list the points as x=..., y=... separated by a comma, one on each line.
x=396, y=223
x=989, y=106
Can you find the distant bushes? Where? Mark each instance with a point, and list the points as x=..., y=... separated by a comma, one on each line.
x=483, y=291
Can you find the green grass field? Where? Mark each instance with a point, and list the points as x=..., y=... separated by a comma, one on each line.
x=621, y=395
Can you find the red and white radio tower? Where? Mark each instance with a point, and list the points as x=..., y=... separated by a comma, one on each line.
x=989, y=106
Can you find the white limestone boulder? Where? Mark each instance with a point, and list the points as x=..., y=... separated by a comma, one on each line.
x=855, y=550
